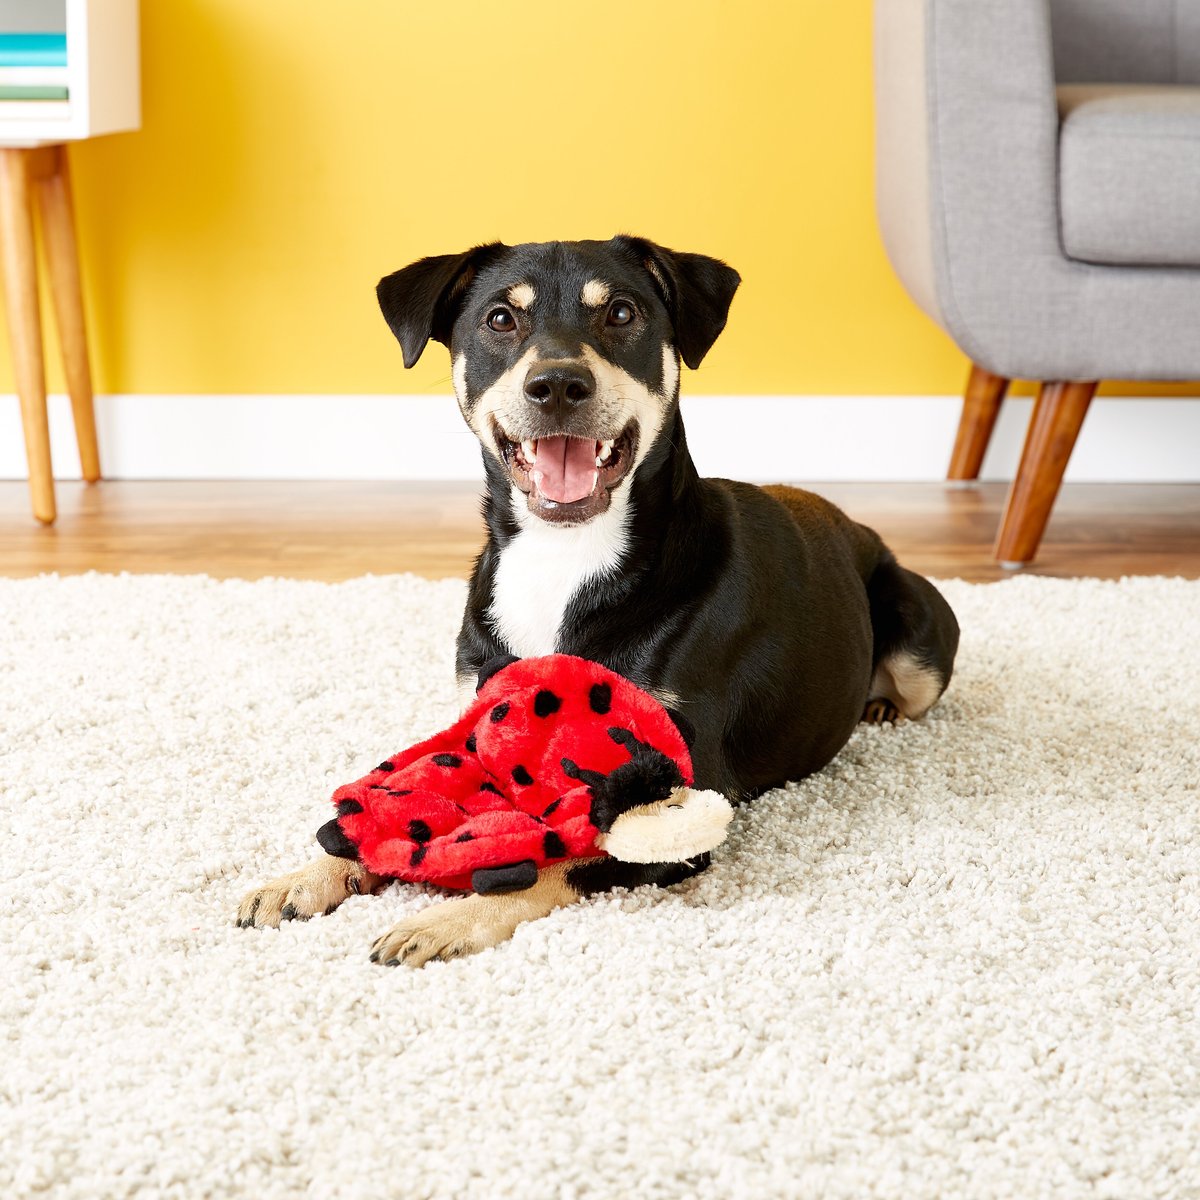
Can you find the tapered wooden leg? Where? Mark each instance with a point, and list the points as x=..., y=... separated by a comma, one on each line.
x=1057, y=417
x=981, y=405
x=24, y=323
x=62, y=259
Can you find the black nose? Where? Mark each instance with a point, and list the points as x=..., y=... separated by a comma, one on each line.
x=558, y=387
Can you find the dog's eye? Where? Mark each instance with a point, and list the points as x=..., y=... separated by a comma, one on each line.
x=501, y=320
x=620, y=313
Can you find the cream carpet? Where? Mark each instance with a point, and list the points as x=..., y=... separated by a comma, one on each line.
x=964, y=961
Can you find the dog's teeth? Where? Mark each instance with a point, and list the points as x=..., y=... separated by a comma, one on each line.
x=529, y=450
x=599, y=462
x=605, y=452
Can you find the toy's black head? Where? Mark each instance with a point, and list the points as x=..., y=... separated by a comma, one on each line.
x=565, y=354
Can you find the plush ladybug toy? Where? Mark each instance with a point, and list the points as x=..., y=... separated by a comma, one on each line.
x=556, y=758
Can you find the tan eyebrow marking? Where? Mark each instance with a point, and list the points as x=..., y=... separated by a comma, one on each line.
x=595, y=293
x=521, y=295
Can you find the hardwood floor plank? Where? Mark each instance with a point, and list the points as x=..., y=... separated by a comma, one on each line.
x=336, y=530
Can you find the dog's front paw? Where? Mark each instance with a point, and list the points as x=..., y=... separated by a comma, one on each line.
x=456, y=928
x=451, y=929
x=318, y=888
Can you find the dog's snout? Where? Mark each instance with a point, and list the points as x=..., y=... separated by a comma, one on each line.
x=558, y=387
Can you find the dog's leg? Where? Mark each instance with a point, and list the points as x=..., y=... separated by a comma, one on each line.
x=318, y=888
x=916, y=637
x=456, y=928
x=466, y=693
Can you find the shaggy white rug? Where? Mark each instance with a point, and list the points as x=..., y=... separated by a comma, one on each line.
x=964, y=961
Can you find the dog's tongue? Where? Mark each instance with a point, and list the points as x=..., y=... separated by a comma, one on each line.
x=566, y=468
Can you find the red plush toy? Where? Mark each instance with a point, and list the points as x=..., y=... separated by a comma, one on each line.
x=556, y=758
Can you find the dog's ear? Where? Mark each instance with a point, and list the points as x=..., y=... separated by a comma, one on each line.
x=422, y=300
x=696, y=289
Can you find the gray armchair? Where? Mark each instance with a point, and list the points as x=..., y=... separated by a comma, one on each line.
x=1038, y=175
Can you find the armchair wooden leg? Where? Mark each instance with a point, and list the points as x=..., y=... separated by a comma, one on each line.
x=24, y=322
x=1057, y=417
x=62, y=259
x=981, y=405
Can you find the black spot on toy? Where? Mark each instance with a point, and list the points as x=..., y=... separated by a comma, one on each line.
x=347, y=807
x=447, y=760
x=499, y=712
x=600, y=698
x=419, y=831
x=522, y=776
x=546, y=703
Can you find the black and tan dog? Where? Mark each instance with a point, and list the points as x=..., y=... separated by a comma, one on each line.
x=765, y=615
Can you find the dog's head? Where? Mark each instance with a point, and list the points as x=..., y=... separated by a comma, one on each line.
x=565, y=354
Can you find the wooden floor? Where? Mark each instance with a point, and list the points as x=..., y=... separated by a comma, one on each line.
x=339, y=530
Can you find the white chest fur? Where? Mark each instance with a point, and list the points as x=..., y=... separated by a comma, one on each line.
x=542, y=569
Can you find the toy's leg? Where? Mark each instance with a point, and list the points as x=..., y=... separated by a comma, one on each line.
x=456, y=928
x=318, y=888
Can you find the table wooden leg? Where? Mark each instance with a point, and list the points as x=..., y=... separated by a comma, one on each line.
x=24, y=322
x=62, y=258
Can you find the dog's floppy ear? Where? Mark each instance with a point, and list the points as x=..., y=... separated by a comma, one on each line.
x=696, y=289
x=421, y=301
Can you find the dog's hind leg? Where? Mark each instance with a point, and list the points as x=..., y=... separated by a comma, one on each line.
x=916, y=638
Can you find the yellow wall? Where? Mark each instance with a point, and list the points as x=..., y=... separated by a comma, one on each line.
x=294, y=150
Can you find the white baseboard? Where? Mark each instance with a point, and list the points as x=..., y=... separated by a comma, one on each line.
x=758, y=438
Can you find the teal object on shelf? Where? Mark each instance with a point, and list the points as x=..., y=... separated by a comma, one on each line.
x=33, y=49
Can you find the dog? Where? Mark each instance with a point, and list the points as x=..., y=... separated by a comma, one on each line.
x=765, y=615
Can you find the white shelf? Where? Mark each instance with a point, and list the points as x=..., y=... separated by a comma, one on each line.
x=102, y=72
x=34, y=76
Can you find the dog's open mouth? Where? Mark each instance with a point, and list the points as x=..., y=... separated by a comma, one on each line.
x=565, y=478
